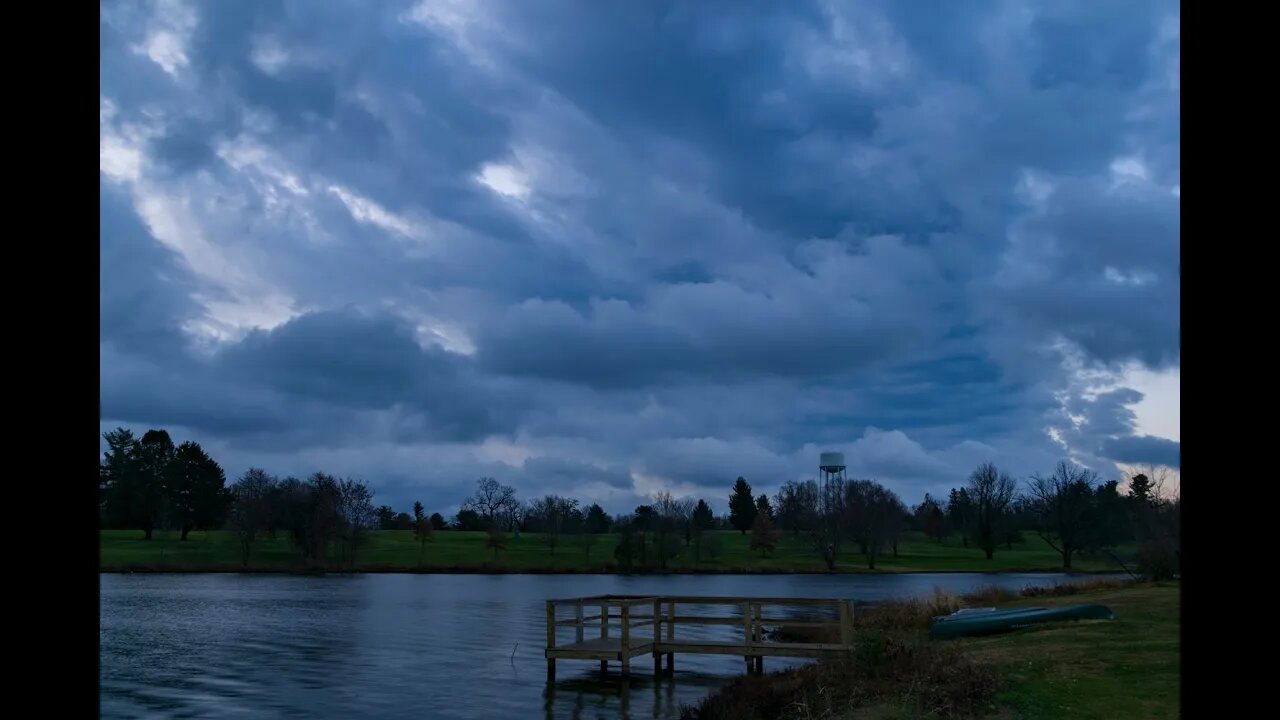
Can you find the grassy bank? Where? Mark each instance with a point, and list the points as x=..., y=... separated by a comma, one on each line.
x=1128, y=668
x=397, y=551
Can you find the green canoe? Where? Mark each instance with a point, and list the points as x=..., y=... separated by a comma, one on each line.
x=981, y=621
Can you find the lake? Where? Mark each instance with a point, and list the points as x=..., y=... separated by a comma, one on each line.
x=404, y=646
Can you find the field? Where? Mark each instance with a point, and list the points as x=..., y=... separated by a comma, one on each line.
x=450, y=551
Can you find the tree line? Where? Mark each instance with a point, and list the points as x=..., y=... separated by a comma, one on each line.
x=148, y=483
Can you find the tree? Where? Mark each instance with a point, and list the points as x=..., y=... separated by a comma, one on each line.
x=468, y=519
x=713, y=546
x=1140, y=488
x=896, y=518
x=991, y=492
x=251, y=498
x=960, y=513
x=496, y=539
x=703, y=519
x=423, y=532
x=386, y=518
x=419, y=512
x=310, y=511
x=1063, y=507
x=1110, y=526
x=437, y=521
x=764, y=537
x=492, y=500
x=796, y=506
x=931, y=519
x=869, y=517
x=147, y=501
x=118, y=478
x=403, y=521
x=356, y=516
x=742, y=507
x=196, y=489
x=549, y=516
x=624, y=552
x=1018, y=517
x=763, y=506
x=597, y=521
x=672, y=515
x=645, y=516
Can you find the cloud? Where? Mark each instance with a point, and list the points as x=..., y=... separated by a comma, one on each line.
x=604, y=250
x=1143, y=449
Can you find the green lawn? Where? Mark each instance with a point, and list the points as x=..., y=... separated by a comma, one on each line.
x=396, y=550
x=1128, y=668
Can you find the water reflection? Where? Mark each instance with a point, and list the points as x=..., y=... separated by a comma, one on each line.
x=612, y=698
x=381, y=646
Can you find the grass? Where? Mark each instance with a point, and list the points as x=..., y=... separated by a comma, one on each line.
x=397, y=551
x=1128, y=668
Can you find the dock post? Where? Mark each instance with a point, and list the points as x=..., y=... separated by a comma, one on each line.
x=578, y=617
x=625, y=656
x=671, y=637
x=657, y=637
x=758, y=636
x=604, y=634
x=846, y=623
x=551, y=640
x=746, y=632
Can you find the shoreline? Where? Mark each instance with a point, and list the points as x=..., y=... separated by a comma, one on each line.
x=1053, y=671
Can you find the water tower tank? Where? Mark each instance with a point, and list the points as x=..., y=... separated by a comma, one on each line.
x=831, y=461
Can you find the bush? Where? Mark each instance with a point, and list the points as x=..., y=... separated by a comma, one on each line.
x=1158, y=560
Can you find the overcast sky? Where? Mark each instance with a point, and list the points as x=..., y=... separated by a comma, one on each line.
x=604, y=249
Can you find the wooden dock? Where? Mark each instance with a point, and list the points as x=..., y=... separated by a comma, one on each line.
x=647, y=625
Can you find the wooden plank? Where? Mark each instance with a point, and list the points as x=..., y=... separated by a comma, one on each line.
x=712, y=620
x=578, y=625
x=763, y=649
x=725, y=600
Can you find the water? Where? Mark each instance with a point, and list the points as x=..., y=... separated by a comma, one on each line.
x=396, y=646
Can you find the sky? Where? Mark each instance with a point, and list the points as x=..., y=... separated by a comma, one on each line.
x=607, y=249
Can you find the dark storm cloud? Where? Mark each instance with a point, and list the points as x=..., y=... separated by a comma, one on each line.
x=634, y=246
x=1142, y=450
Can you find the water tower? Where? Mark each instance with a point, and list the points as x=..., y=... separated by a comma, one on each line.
x=831, y=470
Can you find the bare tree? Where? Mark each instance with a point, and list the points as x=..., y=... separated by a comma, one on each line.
x=764, y=537
x=495, y=539
x=871, y=517
x=551, y=516
x=250, y=514
x=671, y=516
x=356, y=514
x=796, y=506
x=423, y=532
x=991, y=492
x=492, y=500
x=1063, y=507
x=1158, y=475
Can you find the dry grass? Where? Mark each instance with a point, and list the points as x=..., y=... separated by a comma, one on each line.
x=931, y=679
x=895, y=671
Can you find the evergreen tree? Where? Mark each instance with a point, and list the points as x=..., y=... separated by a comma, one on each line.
x=742, y=507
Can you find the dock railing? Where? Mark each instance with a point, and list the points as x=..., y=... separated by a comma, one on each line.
x=663, y=614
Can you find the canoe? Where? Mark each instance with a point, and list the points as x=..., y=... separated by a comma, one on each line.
x=983, y=621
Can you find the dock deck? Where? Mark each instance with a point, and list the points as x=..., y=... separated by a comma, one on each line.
x=625, y=613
